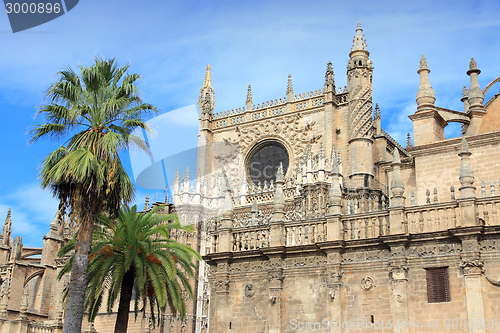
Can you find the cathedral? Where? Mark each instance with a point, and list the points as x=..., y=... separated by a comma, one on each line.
x=311, y=218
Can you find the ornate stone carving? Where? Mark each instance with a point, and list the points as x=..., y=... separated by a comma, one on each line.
x=493, y=282
x=472, y=266
x=488, y=245
x=287, y=127
x=249, y=290
x=221, y=285
x=275, y=278
x=434, y=250
x=309, y=261
x=398, y=272
x=367, y=283
x=275, y=262
x=373, y=255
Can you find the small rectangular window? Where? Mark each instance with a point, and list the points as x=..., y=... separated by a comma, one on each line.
x=438, y=285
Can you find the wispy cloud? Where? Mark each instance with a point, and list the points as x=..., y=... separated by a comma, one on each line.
x=32, y=211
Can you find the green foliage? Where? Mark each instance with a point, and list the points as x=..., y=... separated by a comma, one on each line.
x=98, y=109
x=100, y=106
x=138, y=243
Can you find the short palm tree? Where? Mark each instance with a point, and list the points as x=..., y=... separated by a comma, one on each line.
x=96, y=110
x=134, y=253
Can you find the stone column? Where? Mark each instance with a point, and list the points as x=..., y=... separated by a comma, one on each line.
x=398, y=274
x=467, y=200
x=275, y=277
x=333, y=286
x=219, y=305
x=472, y=270
x=399, y=297
x=333, y=220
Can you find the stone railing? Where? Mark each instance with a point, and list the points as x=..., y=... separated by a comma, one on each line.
x=34, y=327
x=487, y=209
x=364, y=226
x=272, y=108
x=295, y=230
x=304, y=233
x=432, y=217
x=252, y=238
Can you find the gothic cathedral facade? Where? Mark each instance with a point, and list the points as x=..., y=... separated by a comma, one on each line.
x=311, y=218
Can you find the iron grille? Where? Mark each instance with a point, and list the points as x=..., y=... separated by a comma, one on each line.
x=438, y=285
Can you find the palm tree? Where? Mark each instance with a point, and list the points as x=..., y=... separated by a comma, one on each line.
x=99, y=107
x=134, y=253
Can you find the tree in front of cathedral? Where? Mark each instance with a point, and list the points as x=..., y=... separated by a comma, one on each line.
x=134, y=254
x=96, y=111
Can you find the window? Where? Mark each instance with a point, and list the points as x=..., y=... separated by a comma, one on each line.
x=264, y=159
x=438, y=285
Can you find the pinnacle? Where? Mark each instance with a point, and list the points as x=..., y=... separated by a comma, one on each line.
x=208, y=78
x=397, y=158
x=464, y=147
x=472, y=64
x=289, y=88
x=279, y=174
x=377, y=111
x=423, y=63
x=249, y=94
x=8, y=216
x=359, y=43
x=335, y=165
x=465, y=92
x=408, y=140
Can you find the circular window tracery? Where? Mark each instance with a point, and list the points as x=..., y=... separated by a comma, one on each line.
x=264, y=159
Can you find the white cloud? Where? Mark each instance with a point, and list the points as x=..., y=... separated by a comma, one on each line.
x=32, y=211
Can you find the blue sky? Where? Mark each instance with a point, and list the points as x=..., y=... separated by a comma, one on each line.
x=246, y=42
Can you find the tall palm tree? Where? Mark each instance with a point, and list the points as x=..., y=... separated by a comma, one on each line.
x=134, y=253
x=96, y=110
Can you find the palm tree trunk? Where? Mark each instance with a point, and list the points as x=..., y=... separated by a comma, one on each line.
x=79, y=276
x=124, y=306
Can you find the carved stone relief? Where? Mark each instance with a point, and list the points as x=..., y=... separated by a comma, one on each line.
x=249, y=290
x=472, y=266
x=367, y=283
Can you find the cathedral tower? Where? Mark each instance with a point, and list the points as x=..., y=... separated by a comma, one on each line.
x=359, y=118
x=206, y=105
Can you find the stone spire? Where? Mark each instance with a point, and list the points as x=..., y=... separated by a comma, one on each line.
x=376, y=121
x=279, y=196
x=475, y=93
x=329, y=78
x=465, y=99
x=467, y=190
x=227, y=208
x=185, y=181
x=206, y=101
x=249, y=98
x=425, y=94
x=376, y=114
x=177, y=182
x=146, y=203
x=408, y=141
x=7, y=230
x=397, y=185
x=359, y=120
x=359, y=42
x=56, y=224
x=335, y=194
x=254, y=212
x=289, y=89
